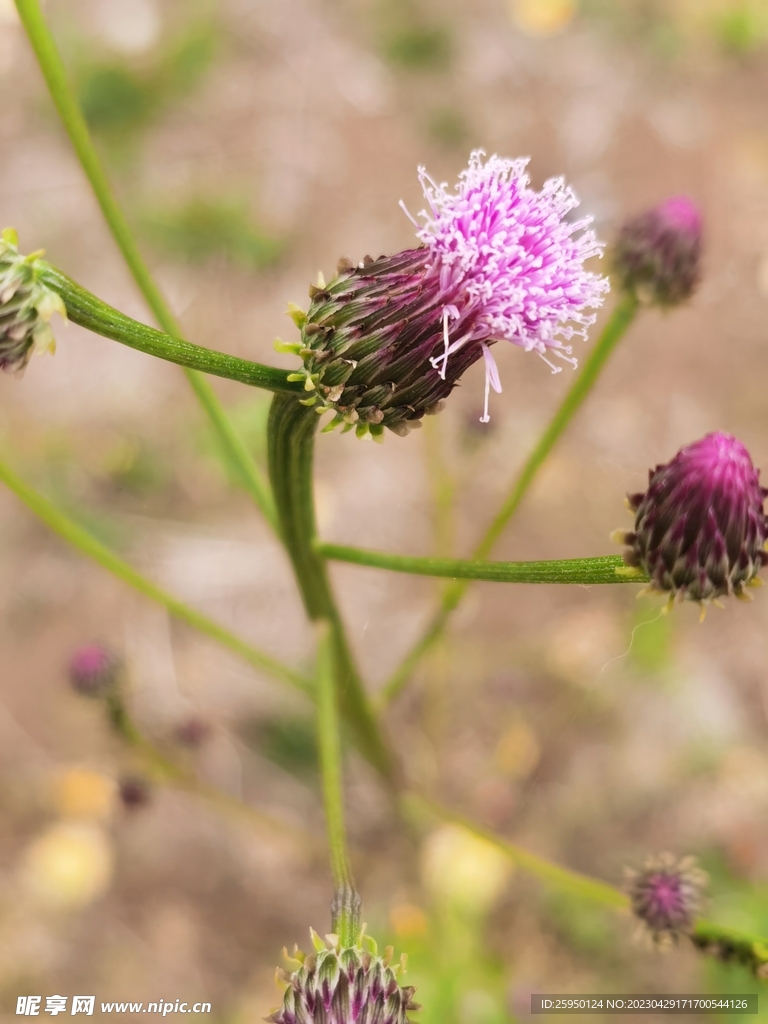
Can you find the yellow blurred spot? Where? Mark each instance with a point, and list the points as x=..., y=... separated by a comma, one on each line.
x=464, y=871
x=518, y=751
x=408, y=920
x=543, y=17
x=79, y=793
x=8, y=11
x=69, y=865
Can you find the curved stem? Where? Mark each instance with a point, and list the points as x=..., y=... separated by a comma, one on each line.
x=290, y=444
x=88, y=311
x=72, y=118
x=719, y=941
x=79, y=538
x=622, y=316
x=345, y=917
x=579, y=571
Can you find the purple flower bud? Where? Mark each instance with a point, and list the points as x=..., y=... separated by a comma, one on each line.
x=388, y=339
x=134, y=791
x=93, y=670
x=343, y=986
x=700, y=529
x=667, y=895
x=657, y=254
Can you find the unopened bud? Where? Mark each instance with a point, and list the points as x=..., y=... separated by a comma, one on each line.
x=667, y=895
x=657, y=255
x=700, y=529
x=26, y=306
x=343, y=985
x=94, y=669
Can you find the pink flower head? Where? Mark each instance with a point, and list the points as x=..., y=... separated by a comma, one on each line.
x=386, y=341
x=509, y=263
x=667, y=894
x=700, y=529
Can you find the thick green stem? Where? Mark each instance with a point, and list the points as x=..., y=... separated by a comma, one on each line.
x=88, y=311
x=72, y=118
x=79, y=538
x=581, y=571
x=620, y=319
x=719, y=941
x=345, y=909
x=290, y=437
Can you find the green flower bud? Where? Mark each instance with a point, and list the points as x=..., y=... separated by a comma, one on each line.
x=26, y=305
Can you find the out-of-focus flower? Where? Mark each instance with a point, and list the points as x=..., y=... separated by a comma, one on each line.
x=388, y=339
x=94, y=669
x=657, y=255
x=464, y=871
x=79, y=793
x=69, y=865
x=408, y=920
x=193, y=732
x=667, y=895
x=700, y=529
x=542, y=17
x=134, y=791
x=335, y=985
x=26, y=306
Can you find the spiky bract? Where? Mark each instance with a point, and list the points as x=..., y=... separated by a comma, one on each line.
x=333, y=985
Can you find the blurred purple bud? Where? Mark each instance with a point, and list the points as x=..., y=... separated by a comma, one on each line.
x=667, y=895
x=134, y=791
x=657, y=255
x=93, y=670
x=193, y=732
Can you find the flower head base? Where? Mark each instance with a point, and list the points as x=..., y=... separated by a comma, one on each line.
x=93, y=670
x=26, y=306
x=343, y=986
x=657, y=254
x=700, y=529
x=387, y=340
x=667, y=895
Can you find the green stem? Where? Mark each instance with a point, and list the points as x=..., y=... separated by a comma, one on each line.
x=622, y=316
x=72, y=118
x=290, y=442
x=717, y=940
x=346, y=902
x=88, y=311
x=79, y=538
x=581, y=571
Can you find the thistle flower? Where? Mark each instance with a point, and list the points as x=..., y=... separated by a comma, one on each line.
x=388, y=339
x=94, y=669
x=700, y=529
x=26, y=306
x=657, y=254
x=667, y=895
x=343, y=986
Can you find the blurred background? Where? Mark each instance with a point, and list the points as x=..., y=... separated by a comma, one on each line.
x=253, y=143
